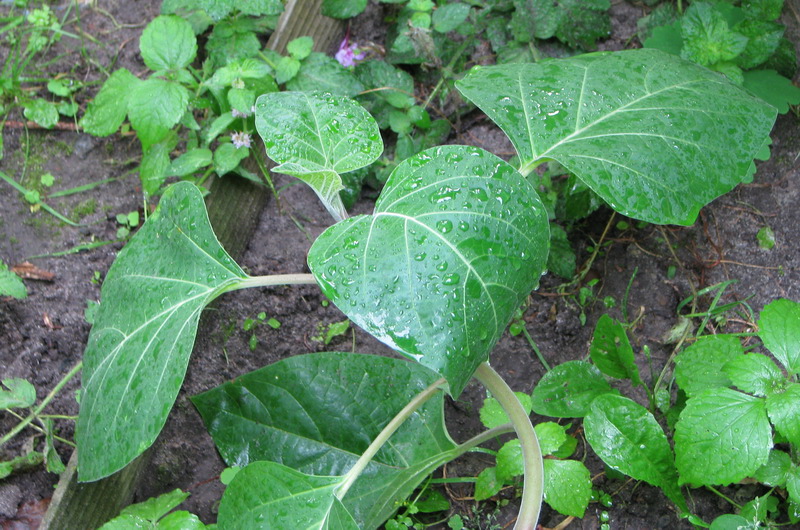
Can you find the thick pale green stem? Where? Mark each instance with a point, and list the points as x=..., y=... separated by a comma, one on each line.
x=33, y=415
x=273, y=280
x=533, y=485
x=385, y=434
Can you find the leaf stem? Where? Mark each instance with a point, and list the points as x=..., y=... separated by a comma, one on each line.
x=350, y=477
x=273, y=280
x=35, y=414
x=533, y=485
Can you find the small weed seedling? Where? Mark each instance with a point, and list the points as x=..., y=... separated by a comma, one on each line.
x=250, y=325
x=456, y=242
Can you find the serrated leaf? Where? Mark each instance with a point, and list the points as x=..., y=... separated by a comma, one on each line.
x=722, y=436
x=793, y=484
x=343, y=8
x=300, y=48
x=154, y=107
x=219, y=9
x=286, y=69
x=487, y=484
x=699, y=367
x=191, y=161
x=476, y=234
x=627, y=437
x=155, y=508
x=396, y=85
x=775, y=471
x=155, y=164
x=567, y=486
x=42, y=112
x=168, y=43
x=302, y=402
x=181, y=520
x=509, y=461
x=269, y=495
x=11, y=284
x=551, y=436
x=779, y=329
x=655, y=136
x=448, y=17
x=582, y=22
x=755, y=374
x=763, y=38
x=707, y=38
x=611, y=351
x=492, y=414
x=318, y=72
x=315, y=137
x=567, y=391
x=108, y=109
x=137, y=352
x=784, y=411
x=20, y=394
x=228, y=156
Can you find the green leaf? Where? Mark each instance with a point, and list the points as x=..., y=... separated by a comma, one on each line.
x=241, y=69
x=707, y=38
x=487, y=484
x=315, y=137
x=11, y=284
x=324, y=74
x=766, y=238
x=20, y=394
x=629, y=439
x=666, y=38
x=582, y=22
x=784, y=411
x=763, y=39
x=155, y=508
x=108, y=109
x=168, y=43
x=776, y=470
x=300, y=48
x=139, y=346
x=286, y=69
x=232, y=40
x=448, y=17
x=779, y=329
x=567, y=486
x=228, y=156
x=611, y=351
x=217, y=127
x=155, y=164
x=181, y=520
x=655, y=136
x=730, y=521
x=190, y=161
x=722, y=436
x=52, y=460
x=42, y=112
x=699, y=367
x=219, y=9
x=567, y=391
x=793, y=484
x=773, y=88
x=439, y=268
x=755, y=374
x=154, y=107
x=509, y=461
x=269, y=495
x=492, y=414
x=763, y=9
x=551, y=436
x=242, y=100
x=343, y=8
x=561, y=260
x=303, y=401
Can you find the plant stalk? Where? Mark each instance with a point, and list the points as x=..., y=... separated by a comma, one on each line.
x=273, y=280
x=533, y=482
x=385, y=434
x=33, y=415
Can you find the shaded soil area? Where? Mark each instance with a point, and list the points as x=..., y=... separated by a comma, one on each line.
x=43, y=336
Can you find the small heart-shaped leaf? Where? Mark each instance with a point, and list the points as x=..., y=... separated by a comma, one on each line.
x=457, y=240
x=315, y=137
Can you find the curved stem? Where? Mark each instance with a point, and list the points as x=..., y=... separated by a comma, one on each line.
x=385, y=434
x=33, y=415
x=533, y=485
x=274, y=280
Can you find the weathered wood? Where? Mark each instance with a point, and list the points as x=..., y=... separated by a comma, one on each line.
x=234, y=205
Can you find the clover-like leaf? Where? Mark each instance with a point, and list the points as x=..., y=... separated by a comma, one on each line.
x=457, y=240
x=139, y=346
x=302, y=402
x=655, y=136
x=315, y=137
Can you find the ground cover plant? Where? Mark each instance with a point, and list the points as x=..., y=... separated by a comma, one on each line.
x=656, y=141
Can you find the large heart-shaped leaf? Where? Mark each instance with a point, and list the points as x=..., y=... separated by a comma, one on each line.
x=655, y=136
x=269, y=495
x=139, y=346
x=457, y=240
x=317, y=414
x=315, y=137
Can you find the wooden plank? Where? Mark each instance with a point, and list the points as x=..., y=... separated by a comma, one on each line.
x=234, y=205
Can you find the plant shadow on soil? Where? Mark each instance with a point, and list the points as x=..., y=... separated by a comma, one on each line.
x=42, y=336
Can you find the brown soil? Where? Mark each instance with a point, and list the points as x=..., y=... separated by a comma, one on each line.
x=43, y=336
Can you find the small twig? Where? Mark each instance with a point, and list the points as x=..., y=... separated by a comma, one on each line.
x=61, y=126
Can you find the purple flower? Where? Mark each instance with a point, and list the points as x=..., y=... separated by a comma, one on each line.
x=348, y=53
x=240, y=139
